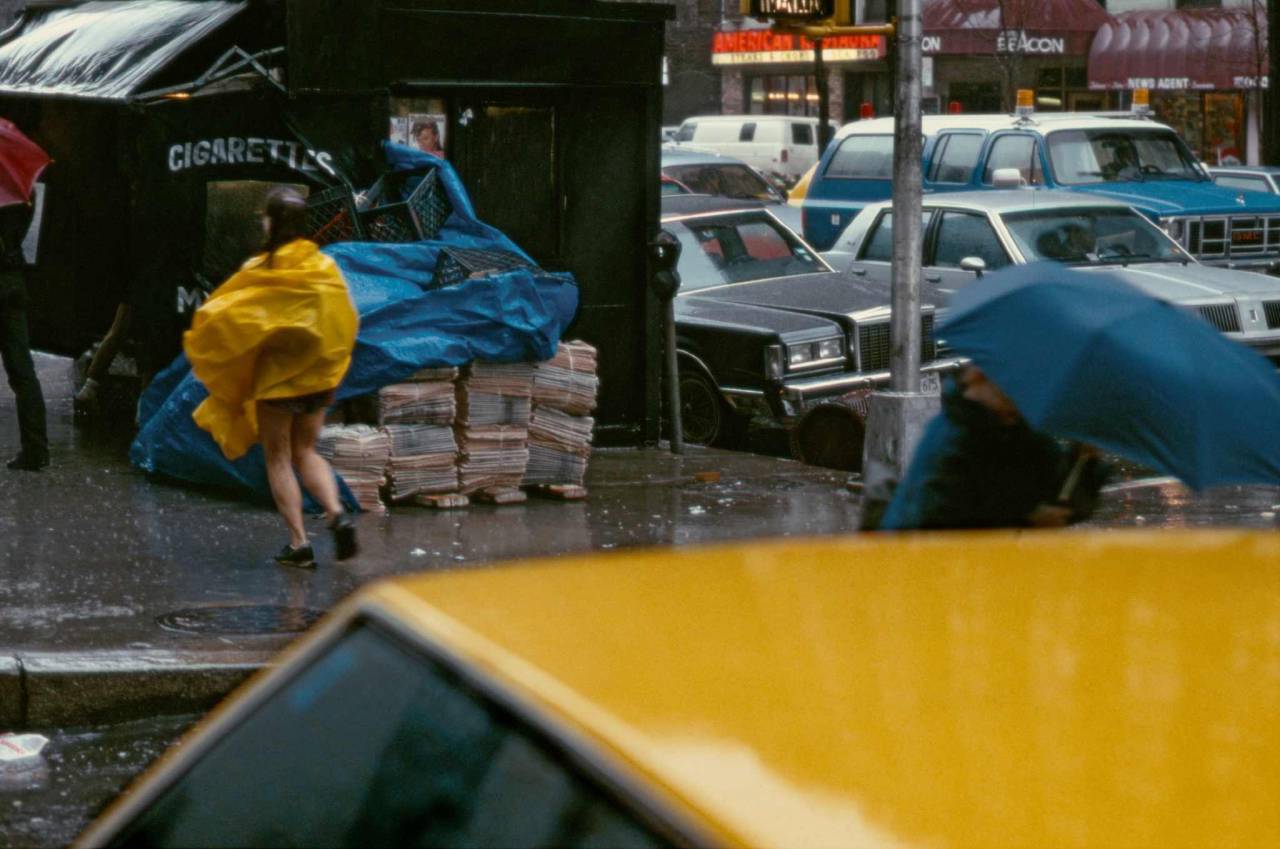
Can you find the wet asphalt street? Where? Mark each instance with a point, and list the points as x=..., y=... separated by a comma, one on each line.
x=94, y=556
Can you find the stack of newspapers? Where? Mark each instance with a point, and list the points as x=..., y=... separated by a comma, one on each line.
x=494, y=402
x=418, y=417
x=359, y=454
x=564, y=393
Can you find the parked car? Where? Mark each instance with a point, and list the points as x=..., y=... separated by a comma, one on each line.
x=970, y=233
x=766, y=329
x=785, y=145
x=1249, y=178
x=710, y=173
x=1131, y=159
x=977, y=690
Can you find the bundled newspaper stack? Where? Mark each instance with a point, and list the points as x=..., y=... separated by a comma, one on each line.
x=358, y=453
x=423, y=460
x=425, y=398
x=418, y=417
x=564, y=393
x=494, y=402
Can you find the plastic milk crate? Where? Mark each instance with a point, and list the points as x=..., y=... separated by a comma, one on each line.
x=408, y=206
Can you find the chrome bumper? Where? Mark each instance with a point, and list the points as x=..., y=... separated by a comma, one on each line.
x=823, y=387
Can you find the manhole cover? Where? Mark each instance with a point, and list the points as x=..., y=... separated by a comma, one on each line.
x=240, y=619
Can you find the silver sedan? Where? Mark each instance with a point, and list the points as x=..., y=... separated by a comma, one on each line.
x=967, y=234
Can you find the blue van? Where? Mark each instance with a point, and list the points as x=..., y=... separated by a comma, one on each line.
x=1124, y=157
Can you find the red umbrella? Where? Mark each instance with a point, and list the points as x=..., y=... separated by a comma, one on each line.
x=21, y=161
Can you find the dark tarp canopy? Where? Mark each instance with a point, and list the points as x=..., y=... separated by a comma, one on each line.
x=105, y=50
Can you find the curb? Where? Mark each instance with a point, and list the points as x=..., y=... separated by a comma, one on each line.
x=40, y=689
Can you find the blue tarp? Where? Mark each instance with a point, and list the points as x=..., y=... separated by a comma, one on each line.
x=512, y=317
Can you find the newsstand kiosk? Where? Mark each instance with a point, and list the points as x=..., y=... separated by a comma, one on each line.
x=169, y=120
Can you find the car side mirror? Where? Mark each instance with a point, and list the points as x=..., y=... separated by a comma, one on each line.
x=973, y=263
x=664, y=255
x=1007, y=178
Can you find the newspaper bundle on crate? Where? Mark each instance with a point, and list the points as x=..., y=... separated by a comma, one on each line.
x=565, y=389
x=358, y=453
x=494, y=403
x=418, y=417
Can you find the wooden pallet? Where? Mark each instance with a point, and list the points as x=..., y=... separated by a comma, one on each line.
x=443, y=501
x=500, y=495
x=558, y=491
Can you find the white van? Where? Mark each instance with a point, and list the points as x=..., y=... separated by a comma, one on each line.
x=784, y=145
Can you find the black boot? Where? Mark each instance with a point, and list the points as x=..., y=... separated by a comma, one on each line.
x=28, y=462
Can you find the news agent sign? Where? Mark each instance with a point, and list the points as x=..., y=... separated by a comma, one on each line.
x=791, y=9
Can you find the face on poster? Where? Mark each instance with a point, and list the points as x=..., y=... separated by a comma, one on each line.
x=419, y=123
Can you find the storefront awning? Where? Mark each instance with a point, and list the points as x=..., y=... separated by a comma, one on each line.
x=105, y=50
x=1181, y=50
x=1029, y=27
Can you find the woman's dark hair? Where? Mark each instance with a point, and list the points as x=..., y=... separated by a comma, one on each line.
x=286, y=214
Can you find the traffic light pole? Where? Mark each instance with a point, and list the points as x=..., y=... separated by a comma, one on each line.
x=898, y=417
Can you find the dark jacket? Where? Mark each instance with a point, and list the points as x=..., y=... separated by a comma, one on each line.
x=973, y=471
x=15, y=219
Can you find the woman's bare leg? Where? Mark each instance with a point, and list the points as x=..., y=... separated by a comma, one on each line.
x=275, y=429
x=316, y=474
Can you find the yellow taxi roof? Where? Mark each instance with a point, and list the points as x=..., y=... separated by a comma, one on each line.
x=963, y=690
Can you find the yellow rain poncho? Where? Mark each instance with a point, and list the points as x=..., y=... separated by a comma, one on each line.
x=269, y=332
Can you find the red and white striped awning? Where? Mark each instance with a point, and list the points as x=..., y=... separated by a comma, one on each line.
x=1029, y=27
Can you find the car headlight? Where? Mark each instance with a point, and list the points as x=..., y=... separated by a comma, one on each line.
x=802, y=354
x=1175, y=227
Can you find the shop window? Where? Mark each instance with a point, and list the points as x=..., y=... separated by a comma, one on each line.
x=420, y=122
x=792, y=94
x=233, y=225
x=954, y=158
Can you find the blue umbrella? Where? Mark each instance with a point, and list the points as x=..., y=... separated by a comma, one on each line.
x=1086, y=356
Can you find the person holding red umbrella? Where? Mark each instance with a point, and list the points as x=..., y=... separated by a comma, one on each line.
x=21, y=161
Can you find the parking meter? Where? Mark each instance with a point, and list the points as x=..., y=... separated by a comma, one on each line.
x=664, y=255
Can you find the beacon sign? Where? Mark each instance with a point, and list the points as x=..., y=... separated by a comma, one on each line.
x=795, y=9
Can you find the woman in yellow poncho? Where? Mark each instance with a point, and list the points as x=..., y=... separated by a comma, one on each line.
x=271, y=345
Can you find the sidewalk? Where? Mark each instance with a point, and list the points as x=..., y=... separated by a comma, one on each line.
x=99, y=564
x=120, y=596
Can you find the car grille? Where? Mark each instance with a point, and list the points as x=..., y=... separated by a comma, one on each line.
x=1272, y=309
x=1225, y=317
x=873, y=344
x=1231, y=236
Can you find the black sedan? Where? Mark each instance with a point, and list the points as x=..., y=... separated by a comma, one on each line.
x=767, y=330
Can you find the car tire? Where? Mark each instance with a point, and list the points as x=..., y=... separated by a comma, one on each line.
x=831, y=437
x=704, y=416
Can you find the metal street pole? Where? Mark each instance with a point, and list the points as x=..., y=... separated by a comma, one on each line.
x=904, y=353
x=897, y=418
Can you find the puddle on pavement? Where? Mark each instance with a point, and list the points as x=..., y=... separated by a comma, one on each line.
x=82, y=769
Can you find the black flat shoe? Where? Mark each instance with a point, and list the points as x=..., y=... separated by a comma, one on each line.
x=344, y=537
x=25, y=462
x=303, y=556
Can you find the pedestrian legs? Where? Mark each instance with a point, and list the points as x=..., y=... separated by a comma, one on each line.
x=15, y=351
x=274, y=429
x=316, y=474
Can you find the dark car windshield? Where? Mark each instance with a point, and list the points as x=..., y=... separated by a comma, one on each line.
x=1120, y=155
x=721, y=250
x=1090, y=237
x=724, y=179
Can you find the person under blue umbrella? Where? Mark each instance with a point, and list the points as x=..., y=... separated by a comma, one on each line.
x=979, y=465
